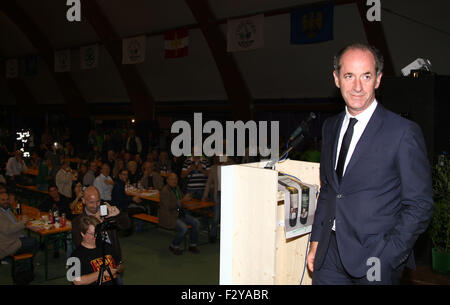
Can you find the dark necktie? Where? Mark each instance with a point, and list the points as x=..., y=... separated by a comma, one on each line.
x=344, y=148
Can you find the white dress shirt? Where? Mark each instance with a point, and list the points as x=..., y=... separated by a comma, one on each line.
x=363, y=119
x=104, y=189
x=63, y=181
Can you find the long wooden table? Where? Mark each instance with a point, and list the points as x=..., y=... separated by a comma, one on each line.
x=57, y=233
x=45, y=231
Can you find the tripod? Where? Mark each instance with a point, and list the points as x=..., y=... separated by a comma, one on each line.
x=104, y=266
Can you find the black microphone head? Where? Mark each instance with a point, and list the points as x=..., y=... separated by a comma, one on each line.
x=303, y=126
x=297, y=141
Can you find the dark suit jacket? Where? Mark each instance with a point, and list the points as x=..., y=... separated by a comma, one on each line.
x=384, y=201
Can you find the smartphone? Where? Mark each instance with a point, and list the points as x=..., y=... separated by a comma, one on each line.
x=103, y=210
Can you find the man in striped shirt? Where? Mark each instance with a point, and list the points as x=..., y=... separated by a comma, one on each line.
x=195, y=174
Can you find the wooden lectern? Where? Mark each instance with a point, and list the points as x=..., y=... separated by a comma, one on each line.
x=253, y=246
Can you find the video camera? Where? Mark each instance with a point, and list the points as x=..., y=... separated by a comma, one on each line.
x=107, y=223
x=101, y=239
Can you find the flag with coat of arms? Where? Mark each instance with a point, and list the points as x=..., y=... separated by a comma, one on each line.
x=312, y=24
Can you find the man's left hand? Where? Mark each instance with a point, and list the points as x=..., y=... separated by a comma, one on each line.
x=112, y=211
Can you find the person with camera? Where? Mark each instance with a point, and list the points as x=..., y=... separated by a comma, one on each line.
x=92, y=257
x=116, y=220
x=195, y=174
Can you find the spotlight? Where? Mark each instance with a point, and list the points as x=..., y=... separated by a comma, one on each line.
x=416, y=67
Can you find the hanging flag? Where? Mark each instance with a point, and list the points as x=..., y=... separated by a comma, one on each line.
x=176, y=43
x=12, y=68
x=312, y=24
x=133, y=50
x=62, y=61
x=89, y=57
x=31, y=65
x=245, y=34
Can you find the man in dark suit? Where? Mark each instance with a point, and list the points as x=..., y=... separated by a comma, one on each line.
x=376, y=194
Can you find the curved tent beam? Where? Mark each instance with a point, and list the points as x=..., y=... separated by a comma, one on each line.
x=140, y=96
x=235, y=86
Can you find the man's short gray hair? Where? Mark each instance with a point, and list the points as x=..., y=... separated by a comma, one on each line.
x=379, y=60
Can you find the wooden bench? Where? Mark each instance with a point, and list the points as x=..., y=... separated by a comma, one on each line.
x=22, y=256
x=155, y=220
x=147, y=218
x=150, y=218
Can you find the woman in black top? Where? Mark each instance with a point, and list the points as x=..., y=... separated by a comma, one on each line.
x=91, y=256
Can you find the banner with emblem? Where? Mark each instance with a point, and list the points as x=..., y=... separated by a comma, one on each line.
x=312, y=24
x=62, y=61
x=133, y=50
x=176, y=43
x=12, y=68
x=89, y=57
x=245, y=33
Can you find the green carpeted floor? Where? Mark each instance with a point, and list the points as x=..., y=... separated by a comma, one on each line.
x=147, y=261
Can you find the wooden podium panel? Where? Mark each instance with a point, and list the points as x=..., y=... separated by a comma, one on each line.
x=253, y=247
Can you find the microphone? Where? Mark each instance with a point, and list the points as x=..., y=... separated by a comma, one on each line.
x=303, y=126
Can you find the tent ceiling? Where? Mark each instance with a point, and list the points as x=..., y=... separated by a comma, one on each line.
x=279, y=70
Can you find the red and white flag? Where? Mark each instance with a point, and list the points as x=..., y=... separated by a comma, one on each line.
x=176, y=43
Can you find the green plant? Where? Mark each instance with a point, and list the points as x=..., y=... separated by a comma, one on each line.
x=440, y=222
